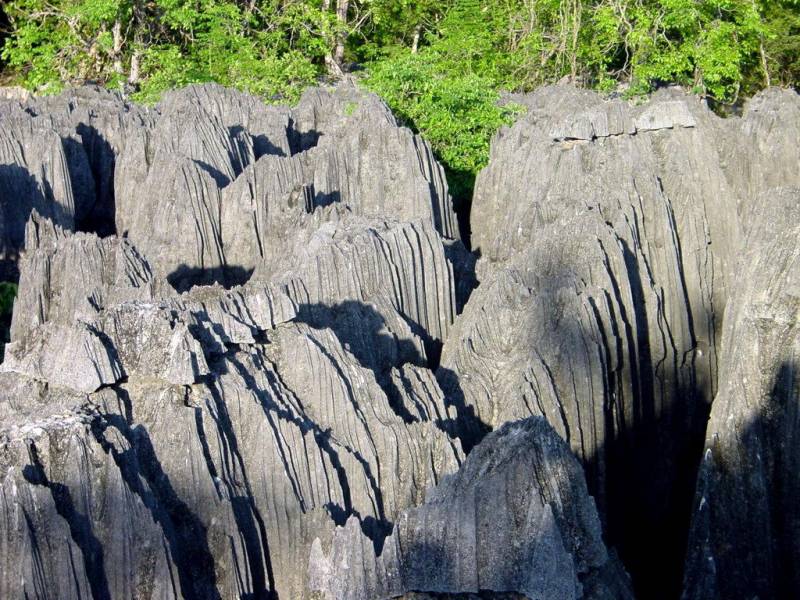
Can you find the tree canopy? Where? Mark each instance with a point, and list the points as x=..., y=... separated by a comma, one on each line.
x=440, y=65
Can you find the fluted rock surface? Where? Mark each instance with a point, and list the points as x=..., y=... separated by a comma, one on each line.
x=609, y=238
x=225, y=427
x=233, y=174
x=516, y=518
x=94, y=126
x=238, y=474
x=236, y=471
x=34, y=175
x=160, y=176
x=743, y=541
x=66, y=277
x=360, y=260
x=245, y=356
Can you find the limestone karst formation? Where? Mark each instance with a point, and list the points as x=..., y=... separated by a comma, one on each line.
x=246, y=358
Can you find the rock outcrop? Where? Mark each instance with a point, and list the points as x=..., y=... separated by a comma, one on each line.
x=34, y=175
x=609, y=238
x=246, y=360
x=224, y=426
x=743, y=541
x=516, y=518
x=231, y=179
x=66, y=277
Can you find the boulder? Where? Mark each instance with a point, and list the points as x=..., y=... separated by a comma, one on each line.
x=515, y=519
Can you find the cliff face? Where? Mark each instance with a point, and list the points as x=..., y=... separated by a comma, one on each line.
x=743, y=539
x=617, y=243
x=245, y=361
x=166, y=444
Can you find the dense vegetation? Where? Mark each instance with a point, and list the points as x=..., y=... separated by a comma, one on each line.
x=8, y=292
x=439, y=64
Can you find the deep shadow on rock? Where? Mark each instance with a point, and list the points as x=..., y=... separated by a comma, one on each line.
x=185, y=277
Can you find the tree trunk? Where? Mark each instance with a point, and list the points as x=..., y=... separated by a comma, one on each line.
x=576, y=28
x=118, y=43
x=133, y=76
x=341, y=15
x=761, y=53
x=415, y=41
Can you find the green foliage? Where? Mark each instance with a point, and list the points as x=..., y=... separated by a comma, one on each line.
x=782, y=41
x=440, y=64
x=448, y=91
x=394, y=24
x=8, y=291
x=708, y=45
x=267, y=49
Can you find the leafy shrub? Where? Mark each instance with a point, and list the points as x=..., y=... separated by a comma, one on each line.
x=8, y=291
x=456, y=113
x=162, y=44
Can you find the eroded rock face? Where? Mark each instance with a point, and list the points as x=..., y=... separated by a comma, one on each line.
x=232, y=176
x=743, y=541
x=238, y=474
x=238, y=423
x=610, y=237
x=160, y=176
x=516, y=518
x=245, y=361
x=33, y=176
x=225, y=427
x=66, y=277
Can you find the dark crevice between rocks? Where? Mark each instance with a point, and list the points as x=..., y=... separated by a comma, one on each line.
x=467, y=426
x=375, y=529
x=99, y=217
x=464, y=263
x=652, y=462
x=462, y=186
x=651, y=474
x=8, y=292
x=80, y=526
x=301, y=141
x=651, y=457
x=652, y=449
x=186, y=535
x=184, y=278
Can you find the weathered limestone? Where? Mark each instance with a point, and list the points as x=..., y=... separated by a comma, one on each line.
x=743, y=540
x=225, y=426
x=515, y=518
x=609, y=239
x=245, y=361
x=65, y=277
